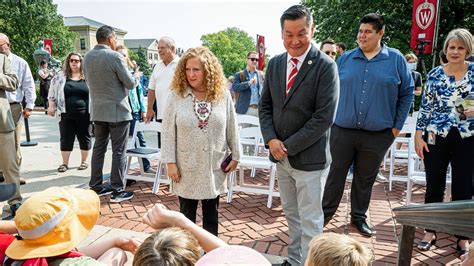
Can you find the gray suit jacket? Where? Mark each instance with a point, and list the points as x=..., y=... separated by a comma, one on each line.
x=8, y=82
x=109, y=81
x=303, y=119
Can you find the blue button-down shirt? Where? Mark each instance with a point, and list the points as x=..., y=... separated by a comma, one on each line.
x=375, y=94
x=255, y=94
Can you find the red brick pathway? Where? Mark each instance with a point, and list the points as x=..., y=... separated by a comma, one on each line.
x=247, y=221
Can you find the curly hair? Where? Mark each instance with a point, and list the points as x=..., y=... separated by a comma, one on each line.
x=215, y=81
x=67, y=68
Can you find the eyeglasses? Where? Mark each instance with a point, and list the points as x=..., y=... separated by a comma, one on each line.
x=330, y=53
x=74, y=61
x=253, y=59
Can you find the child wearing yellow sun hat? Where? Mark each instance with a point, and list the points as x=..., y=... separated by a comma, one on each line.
x=50, y=226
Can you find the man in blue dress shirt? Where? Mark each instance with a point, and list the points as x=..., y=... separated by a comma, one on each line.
x=376, y=91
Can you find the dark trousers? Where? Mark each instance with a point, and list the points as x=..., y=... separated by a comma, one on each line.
x=366, y=150
x=69, y=129
x=140, y=138
x=210, y=215
x=118, y=133
x=44, y=91
x=460, y=153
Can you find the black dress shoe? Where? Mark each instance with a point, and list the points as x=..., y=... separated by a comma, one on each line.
x=363, y=228
x=425, y=246
x=14, y=208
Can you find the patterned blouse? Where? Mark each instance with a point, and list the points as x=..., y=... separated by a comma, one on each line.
x=439, y=109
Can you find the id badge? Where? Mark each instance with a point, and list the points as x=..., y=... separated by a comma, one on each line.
x=432, y=138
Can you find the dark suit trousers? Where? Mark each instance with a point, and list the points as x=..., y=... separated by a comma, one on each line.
x=118, y=133
x=366, y=149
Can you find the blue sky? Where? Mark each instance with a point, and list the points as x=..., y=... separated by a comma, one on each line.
x=185, y=21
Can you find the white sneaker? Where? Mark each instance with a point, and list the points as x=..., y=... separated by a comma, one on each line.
x=380, y=178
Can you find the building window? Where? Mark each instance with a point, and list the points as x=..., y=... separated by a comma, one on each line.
x=150, y=56
x=83, y=43
x=156, y=56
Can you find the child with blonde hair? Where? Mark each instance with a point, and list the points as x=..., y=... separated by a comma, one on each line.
x=333, y=249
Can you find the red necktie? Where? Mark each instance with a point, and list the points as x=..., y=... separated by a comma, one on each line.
x=292, y=76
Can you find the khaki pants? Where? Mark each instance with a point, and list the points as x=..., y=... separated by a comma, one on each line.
x=10, y=170
x=9, y=165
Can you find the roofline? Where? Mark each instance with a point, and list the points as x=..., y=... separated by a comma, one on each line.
x=117, y=30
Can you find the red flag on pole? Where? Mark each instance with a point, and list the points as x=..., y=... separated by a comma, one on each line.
x=48, y=45
x=423, y=23
x=261, y=51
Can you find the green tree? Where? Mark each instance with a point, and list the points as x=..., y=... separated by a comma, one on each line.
x=339, y=20
x=142, y=61
x=28, y=21
x=231, y=47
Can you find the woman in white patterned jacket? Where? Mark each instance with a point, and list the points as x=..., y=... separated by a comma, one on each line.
x=199, y=132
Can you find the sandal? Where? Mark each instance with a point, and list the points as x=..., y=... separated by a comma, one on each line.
x=63, y=168
x=83, y=166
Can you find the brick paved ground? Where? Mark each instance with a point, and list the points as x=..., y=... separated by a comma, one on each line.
x=247, y=221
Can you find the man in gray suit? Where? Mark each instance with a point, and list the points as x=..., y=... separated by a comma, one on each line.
x=296, y=111
x=109, y=81
x=8, y=162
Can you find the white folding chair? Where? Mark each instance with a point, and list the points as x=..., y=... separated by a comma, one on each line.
x=145, y=153
x=250, y=161
x=244, y=121
x=401, y=155
x=248, y=119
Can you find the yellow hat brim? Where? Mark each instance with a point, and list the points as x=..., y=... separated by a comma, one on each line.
x=67, y=234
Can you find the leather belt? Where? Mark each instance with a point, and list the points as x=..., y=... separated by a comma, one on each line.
x=14, y=103
x=253, y=105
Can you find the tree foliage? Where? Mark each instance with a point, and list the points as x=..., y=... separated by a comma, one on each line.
x=28, y=21
x=339, y=19
x=141, y=59
x=231, y=47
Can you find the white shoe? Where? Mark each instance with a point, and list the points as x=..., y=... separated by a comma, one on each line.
x=380, y=178
x=350, y=177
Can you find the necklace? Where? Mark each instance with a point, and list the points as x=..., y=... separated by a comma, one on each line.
x=202, y=110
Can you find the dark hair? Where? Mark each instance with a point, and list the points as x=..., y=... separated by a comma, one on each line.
x=341, y=45
x=67, y=68
x=251, y=52
x=442, y=57
x=329, y=41
x=375, y=20
x=103, y=33
x=296, y=12
x=43, y=62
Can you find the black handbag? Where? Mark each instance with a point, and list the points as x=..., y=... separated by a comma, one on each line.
x=226, y=163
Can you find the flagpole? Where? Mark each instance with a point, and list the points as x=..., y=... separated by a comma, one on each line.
x=435, y=41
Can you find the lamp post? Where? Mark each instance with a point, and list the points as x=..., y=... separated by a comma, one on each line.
x=39, y=55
